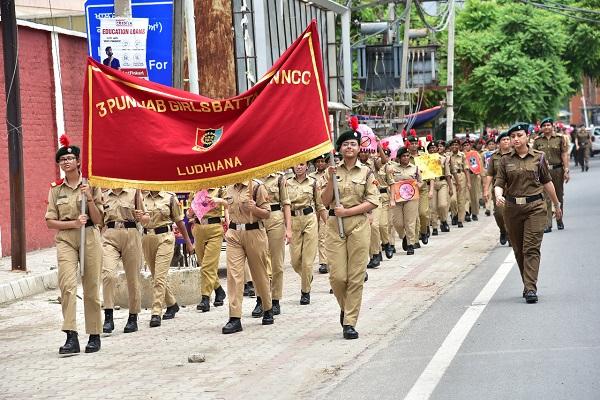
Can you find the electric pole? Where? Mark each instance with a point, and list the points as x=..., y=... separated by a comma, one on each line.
x=404, y=61
x=450, y=79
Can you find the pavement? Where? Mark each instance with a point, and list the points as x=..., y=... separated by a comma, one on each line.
x=299, y=356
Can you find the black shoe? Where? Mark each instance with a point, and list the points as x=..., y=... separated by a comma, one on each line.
x=232, y=326
x=246, y=290
x=488, y=213
x=531, y=297
x=416, y=246
x=460, y=225
x=276, y=307
x=219, y=296
x=251, y=291
x=455, y=220
x=131, y=325
x=93, y=344
x=410, y=250
x=304, y=298
x=424, y=239
x=109, y=325
x=467, y=217
x=475, y=217
x=204, y=304
x=379, y=257
x=342, y=318
x=503, y=239
x=258, y=310
x=373, y=262
x=445, y=227
x=268, y=317
x=404, y=243
x=349, y=332
x=481, y=203
x=560, y=225
x=389, y=253
x=548, y=230
x=71, y=346
x=171, y=311
x=366, y=277
x=434, y=232
x=428, y=232
x=155, y=321
x=323, y=269
x=587, y=168
x=393, y=248
x=330, y=291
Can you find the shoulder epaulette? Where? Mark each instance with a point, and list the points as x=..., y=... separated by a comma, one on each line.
x=57, y=182
x=258, y=181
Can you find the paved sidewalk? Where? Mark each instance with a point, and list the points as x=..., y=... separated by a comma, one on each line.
x=40, y=276
x=299, y=356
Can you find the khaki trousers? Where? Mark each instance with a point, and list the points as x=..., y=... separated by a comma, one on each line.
x=391, y=230
x=475, y=193
x=404, y=216
x=375, y=242
x=322, y=238
x=275, y=229
x=525, y=225
x=457, y=202
x=423, y=217
x=158, y=252
x=208, y=239
x=251, y=245
x=122, y=244
x=67, y=252
x=499, y=215
x=439, y=203
x=303, y=248
x=558, y=181
x=348, y=259
x=384, y=219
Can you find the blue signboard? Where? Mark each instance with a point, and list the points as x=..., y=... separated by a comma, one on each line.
x=159, y=53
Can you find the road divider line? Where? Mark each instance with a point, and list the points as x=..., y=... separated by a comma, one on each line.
x=435, y=370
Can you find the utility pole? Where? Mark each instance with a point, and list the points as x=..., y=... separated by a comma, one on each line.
x=178, y=44
x=123, y=8
x=450, y=79
x=404, y=64
x=585, y=116
x=190, y=29
x=12, y=88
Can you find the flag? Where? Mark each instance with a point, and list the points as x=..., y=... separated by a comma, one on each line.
x=145, y=135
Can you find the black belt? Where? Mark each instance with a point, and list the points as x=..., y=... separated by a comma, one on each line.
x=332, y=213
x=209, y=220
x=159, y=230
x=124, y=224
x=472, y=173
x=524, y=200
x=89, y=223
x=275, y=207
x=440, y=178
x=382, y=191
x=557, y=166
x=244, y=227
x=304, y=211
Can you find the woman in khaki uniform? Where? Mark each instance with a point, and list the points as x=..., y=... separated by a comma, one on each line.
x=159, y=245
x=305, y=204
x=64, y=214
x=320, y=164
x=583, y=141
x=504, y=146
x=404, y=214
x=462, y=182
x=208, y=238
x=439, y=201
x=348, y=256
x=522, y=178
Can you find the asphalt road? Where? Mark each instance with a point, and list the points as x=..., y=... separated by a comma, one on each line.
x=549, y=350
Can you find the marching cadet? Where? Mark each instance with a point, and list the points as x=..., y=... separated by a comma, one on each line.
x=474, y=186
x=490, y=146
x=404, y=214
x=158, y=245
x=439, y=200
x=504, y=147
x=555, y=148
x=583, y=141
x=347, y=255
x=426, y=190
x=374, y=216
x=521, y=179
x=246, y=238
x=278, y=228
x=384, y=197
x=63, y=213
x=306, y=204
x=122, y=241
x=320, y=164
x=208, y=234
x=462, y=180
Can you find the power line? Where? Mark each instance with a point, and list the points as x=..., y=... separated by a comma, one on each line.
x=557, y=11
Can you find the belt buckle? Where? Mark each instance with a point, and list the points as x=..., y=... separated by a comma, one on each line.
x=521, y=200
x=298, y=213
x=203, y=221
x=240, y=227
x=119, y=224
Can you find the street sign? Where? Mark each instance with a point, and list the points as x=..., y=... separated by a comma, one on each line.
x=159, y=55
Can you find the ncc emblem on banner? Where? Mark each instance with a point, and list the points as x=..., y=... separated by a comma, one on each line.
x=207, y=138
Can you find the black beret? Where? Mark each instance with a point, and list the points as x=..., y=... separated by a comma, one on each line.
x=519, y=126
x=412, y=139
x=455, y=141
x=501, y=136
x=322, y=157
x=547, y=119
x=401, y=151
x=348, y=135
x=441, y=142
x=431, y=144
x=67, y=150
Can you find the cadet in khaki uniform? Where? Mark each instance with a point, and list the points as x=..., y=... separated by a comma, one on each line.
x=555, y=148
x=440, y=200
x=458, y=164
x=490, y=145
x=208, y=237
x=504, y=147
x=348, y=256
x=426, y=189
x=247, y=239
x=583, y=141
x=306, y=204
x=522, y=177
x=319, y=174
x=64, y=214
x=474, y=185
x=404, y=214
x=384, y=198
x=276, y=227
x=158, y=245
x=121, y=241
x=374, y=217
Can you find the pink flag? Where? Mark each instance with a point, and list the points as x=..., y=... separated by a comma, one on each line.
x=202, y=203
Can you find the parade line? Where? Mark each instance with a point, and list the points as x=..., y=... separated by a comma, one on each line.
x=435, y=370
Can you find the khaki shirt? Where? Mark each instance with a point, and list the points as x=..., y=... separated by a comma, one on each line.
x=163, y=208
x=215, y=193
x=400, y=172
x=458, y=162
x=275, y=185
x=64, y=201
x=582, y=137
x=119, y=206
x=237, y=194
x=356, y=185
x=445, y=161
x=552, y=146
x=304, y=194
x=494, y=163
x=523, y=176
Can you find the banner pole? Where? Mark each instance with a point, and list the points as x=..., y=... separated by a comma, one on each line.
x=82, y=236
x=336, y=196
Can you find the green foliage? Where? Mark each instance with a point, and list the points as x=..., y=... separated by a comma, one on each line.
x=584, y=42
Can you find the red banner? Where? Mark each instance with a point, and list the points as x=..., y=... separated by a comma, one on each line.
x=473, y=161
x=140, y=134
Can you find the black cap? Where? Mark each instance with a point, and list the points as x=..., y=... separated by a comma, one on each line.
x=547, y=119
x=401, y=151
x=348, y=135
x=501, y=136
x=412, y=139
x=519, y=126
